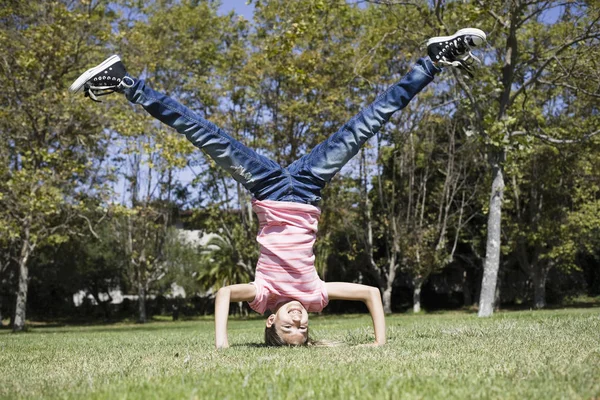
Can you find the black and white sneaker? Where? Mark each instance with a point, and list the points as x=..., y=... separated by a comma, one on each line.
x=455, y=50
x=105, y=78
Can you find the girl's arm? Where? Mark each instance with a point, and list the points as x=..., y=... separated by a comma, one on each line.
x=368, y=295
x=226, y=295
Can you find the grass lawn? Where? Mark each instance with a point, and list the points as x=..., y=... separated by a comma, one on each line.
x=514, y=355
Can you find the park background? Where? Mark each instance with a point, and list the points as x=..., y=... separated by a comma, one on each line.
x=481, y=198
x=482, y=194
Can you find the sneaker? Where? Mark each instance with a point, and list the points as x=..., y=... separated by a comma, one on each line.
x=105, y=78
x=455, y=50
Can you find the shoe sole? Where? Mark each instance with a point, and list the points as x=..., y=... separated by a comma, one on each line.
x=467, y=31
x=83, y=78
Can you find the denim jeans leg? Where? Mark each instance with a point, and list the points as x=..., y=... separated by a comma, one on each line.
x=263, y=177
x=315, y=169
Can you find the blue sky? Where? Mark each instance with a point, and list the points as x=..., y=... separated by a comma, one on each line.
x=239, y=6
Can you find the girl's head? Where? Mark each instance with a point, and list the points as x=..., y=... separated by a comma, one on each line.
x=288, y=326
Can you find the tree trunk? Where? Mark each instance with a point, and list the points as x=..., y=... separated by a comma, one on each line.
x=492, y=257
x=387, y=293
x=241, y=309
x=498, y=292
x=387, y=299
x=105, y=306
x=417, y=284
x=366, y=206
x=141, y=303
x=540, y=274
x=466, y=289
x=21, y=301
x=175, y=309
x=496, y=160
x=3, y=280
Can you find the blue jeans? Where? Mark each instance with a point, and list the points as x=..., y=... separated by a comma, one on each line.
x=302, y=181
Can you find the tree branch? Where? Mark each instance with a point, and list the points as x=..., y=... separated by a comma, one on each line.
x=545, y=137
x=89, y=225
x=474, y=103
x=391, y=3
x=560, y=49
x=494, y=15
x=566, y=85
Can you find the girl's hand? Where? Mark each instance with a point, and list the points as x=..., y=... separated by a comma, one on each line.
x=225, y=295
x=368, y=295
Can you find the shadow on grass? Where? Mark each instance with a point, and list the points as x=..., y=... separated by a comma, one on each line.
x=575, y=305
x=159, y=323
x=581, y=302
x=587, y=303
x=101, y=326
x=111, y=326
x=251, y=345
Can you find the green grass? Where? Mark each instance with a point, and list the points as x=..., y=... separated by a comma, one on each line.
x=514, y=355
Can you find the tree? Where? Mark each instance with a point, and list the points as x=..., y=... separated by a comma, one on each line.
x=5, y=274
x=153, y=163
x=94, y=264
x=535, y=54
x=51, y=147
x=424, y=197
x=554, y=190
x=304, y=90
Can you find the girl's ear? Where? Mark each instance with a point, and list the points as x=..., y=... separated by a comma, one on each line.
x=270, y=320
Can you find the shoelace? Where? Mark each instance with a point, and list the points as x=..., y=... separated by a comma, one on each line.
x=455, y=50
x=94, y=91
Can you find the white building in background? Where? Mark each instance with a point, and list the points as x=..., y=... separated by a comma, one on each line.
x=118, y=297
x=196, y=238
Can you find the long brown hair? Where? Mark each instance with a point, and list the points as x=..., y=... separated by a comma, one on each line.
x=272, y=338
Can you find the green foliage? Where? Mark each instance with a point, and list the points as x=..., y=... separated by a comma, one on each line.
x=181, y=265
x=49, y=145
x=303, y=65
x=51, y=149
x=219, y=265
x=230, y=253
x=282, y=83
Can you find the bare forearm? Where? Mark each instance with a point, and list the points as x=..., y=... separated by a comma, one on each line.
x=376, y=309
x=221, y=316
x=368, y=295
x=225, y=295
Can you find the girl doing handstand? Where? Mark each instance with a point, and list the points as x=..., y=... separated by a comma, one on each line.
x=285, y=199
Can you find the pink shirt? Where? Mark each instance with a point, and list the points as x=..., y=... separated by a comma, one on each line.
x=286, y=267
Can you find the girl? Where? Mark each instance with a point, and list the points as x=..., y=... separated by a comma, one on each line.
x=285, y=199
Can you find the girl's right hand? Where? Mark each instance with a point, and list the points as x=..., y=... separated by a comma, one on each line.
x=226, y=295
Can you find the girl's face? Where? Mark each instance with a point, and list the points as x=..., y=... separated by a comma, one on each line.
x=291, y=322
